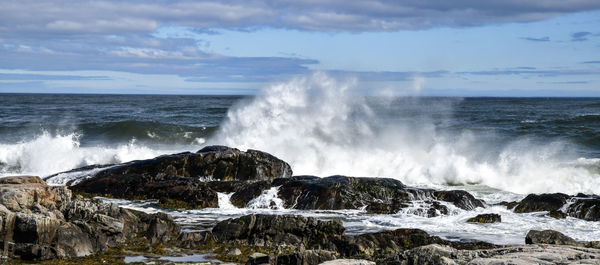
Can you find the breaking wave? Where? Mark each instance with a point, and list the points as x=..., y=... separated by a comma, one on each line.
x=321, y=127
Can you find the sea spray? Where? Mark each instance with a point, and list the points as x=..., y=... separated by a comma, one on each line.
x=47, y=154
x=321, y=127
x=267, y=200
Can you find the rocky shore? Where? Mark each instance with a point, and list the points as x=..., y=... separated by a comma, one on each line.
x=65, y=224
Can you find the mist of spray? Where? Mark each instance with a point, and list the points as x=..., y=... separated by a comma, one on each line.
x=320, y=127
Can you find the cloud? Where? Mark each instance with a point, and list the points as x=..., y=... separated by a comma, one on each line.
x=39, y=77
x=580, y=36
x=545, y=73
x=542, y=39
x=592, y=62
x=33, y=18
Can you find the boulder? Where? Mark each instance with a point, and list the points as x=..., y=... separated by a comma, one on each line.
x=186, y=180
x=541, y=202
x=300, y=234
x=376, y=195
x=549, y=237
x=279, y=231
x=43, y=222
x=586, y=207
x=485, y=218
x=582, y=206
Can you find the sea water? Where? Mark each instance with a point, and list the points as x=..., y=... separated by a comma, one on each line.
x=499, y=149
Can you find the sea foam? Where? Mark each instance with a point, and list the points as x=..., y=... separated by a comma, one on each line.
x=49, y=153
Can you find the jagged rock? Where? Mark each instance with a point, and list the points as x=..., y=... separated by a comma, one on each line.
x=378, y=195
x=43, y=222
x=279, y=231
x=541, y=202
x=586, y=207
x=549, y=237
x=582, y=206
x=305, y=233
x=178, y=180
x=485, y=218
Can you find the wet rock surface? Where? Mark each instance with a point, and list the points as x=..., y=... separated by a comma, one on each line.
x=549, y=237
x=559, y=205
x=376, y=195
x=41, y=222
x=305, y=233
x=485, y=218
x=186, y=180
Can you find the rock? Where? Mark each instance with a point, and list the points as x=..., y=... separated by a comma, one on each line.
x=194, y=239
x=518, y=255
x=586, y=207
x=235, y=252
x=582, y=206
x=485, y=218
x=508, y=205
x=557, y=214
x=348, y=262
x=306, y=257
x=378, y=195
x=541, y=202
x=180, y=180
x=549, y=237
x=459, y=198
x=298, y=234
x=279, y=231
x=258, y=258
x=43, y=222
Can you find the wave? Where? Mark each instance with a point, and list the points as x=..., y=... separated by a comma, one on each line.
x=321, y=127
x=47, y=154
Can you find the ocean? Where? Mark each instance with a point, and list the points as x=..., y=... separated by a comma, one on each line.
x=499, y=149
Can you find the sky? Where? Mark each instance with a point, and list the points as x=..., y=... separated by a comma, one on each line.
x=404, y=47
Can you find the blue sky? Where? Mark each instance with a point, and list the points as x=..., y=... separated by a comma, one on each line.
x=425, y=47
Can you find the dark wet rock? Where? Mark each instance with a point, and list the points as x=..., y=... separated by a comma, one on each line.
x=184, y=180
x=393, y=206
x=582, y=206
x=41, y=222
x=586, y=207
x=485, y=218
x=378, y=195
x=279, y=231
x=508, y=205
x=541, y=202
x=557, y=214
x=338, y=192
x=459, y=198
x=305, y=233
x=549, y=237
x=249, y=192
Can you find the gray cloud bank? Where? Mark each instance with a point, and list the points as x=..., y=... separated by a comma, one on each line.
x=36, y=18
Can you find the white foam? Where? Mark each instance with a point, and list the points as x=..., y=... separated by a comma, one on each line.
x=267, y=200
x=47, y=154
x=317, y=125
x=224, y=200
